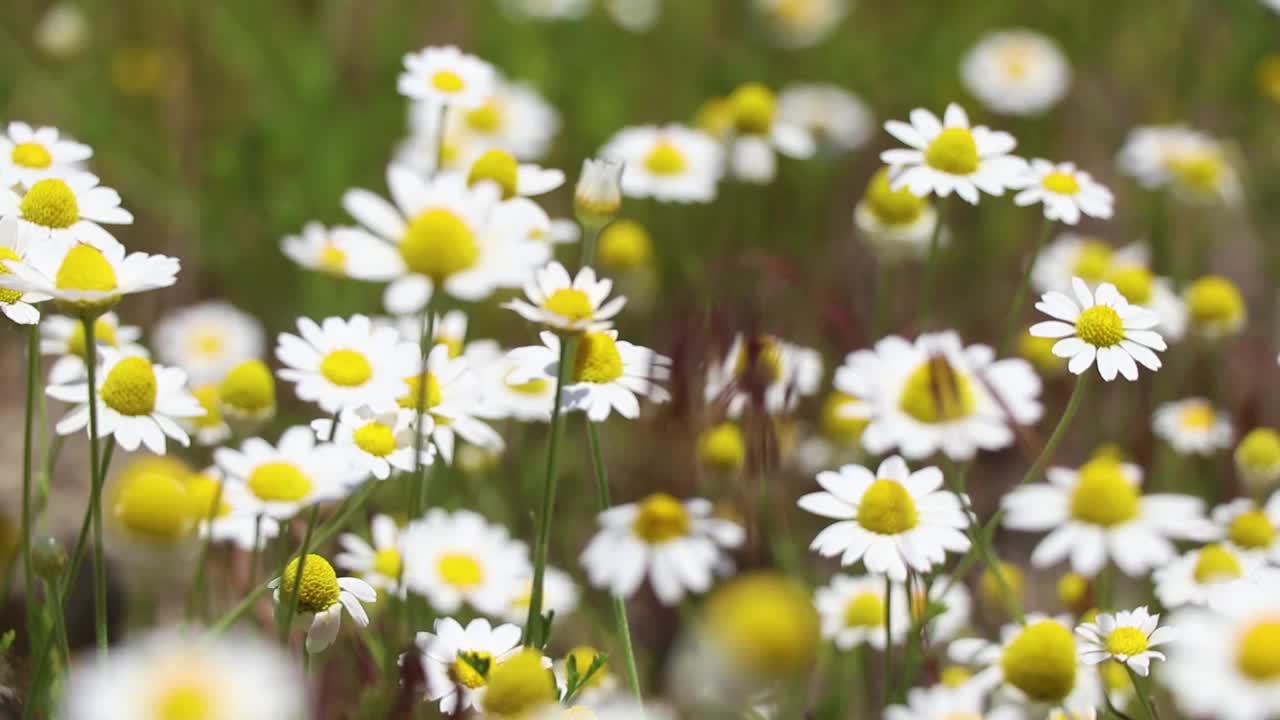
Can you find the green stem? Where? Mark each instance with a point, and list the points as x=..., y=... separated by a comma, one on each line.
x=1073, y=404
x=590, y=235
x=28, y=571
x=931, y=262
x=1141, y=693
x=291, y=607
x=888, y=640
x=95, y=499
x=426, y=343
x=1020, y=296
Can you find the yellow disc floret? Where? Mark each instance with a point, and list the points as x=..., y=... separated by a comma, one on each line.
x=439, y=244
x=660, y=518
x=8, y=295
x=935, y=393
x=188, y=700
x=1073, y=591
x=519, y=686
x=471, y=669
x=583, y=656
x=1258, y=651
x=865, y=610
x=722, y=446
x=432, y=397
x=460, y=570
x=50, y=203
x=1100, y=326
x=486, y=119
x=207, y=396
x=318, y=590
x=1215, y=305
x=887, y=508
x=388, y=563
x=753, y=107
x=375, y=438
x=1216, y=563
x=249, y=388
x=1061, y=183
x=130, y=387
x=1126, y=641
x=1041, y=662
x=1134, y=282
x=953, y=151
x=571, y=304
x=1092, y=261
x=892, y=207
x=346, y=368
x=496, y=166
x=279, y=481
x=625, y=245
x=597, y=359
x=104, y=333
x=954, y=676
x=989, y=584
x=838, y=424
x=1259, y=450
x=1103, y=495
x=31, y=155
x=764, y=624
x=447, y=81
x=202, y=494
x=1039, y=352
x=86, y=269
x=1197, y=416
x=665, y=159
x=156, y=506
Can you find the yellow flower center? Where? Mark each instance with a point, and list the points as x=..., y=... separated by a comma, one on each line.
x=723, y=446
x=768, y=359
x=347, y=368
x=1115, y=677
x=953, y=151
x=496, y=166
x=1041, y=662
x=1134, y=282
x=597, y=359
x=332, y=259
x=31, y=155
x=207, y=395
x=1259, y=450
x=1269, y=77
x=660, y=518
x=410, y=399
x=375, y=438
x=665, y=159
x=485, y=119
x=989, y=583
x=1215, y=563
x=1252, y=530
x=953, y=676
x=625, y=245
x=186, y=701
x=439, y=244
x=7, y=295
x=1061, y=183
x=279, y=481
x=1073, y=590
x=865, y=610
x=1197, y=416
x=387, y=562
x=130, y=387
x=583, y=656
x=569, y=303
x=886, y=508
x=155, y=505
x=1092, y=260
x=447, y=81
x=1126, y=641
x=471, y=669
x=935, y=393
x=318, y=590
x=519, y=686
x=1016, y=58
x=1103, y=496
x=764, y=624
x=1258, y=653
x=1214, y=300
x=104, y=333
x=836, y=425
x=50, y=203
x=892, y=207
x=1100, y=326
x=460, y=570
x=249, y=387
x=536, y=386
x=84, y=267
x=202, y=492
x=1201, y=172
x=753, y=108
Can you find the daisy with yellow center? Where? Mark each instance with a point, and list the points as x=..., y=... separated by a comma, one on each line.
x=322, y=595
x=764, y=369
x=677, y=545
x=568, y=305
x=280, y=480
x=247, y=395
x=895, y=223
x=446, y=75
x=1251, y=526
x=380, y=564
x=1190, y=162
x=341, y=252
x=68, y=208
x=942, y=702
x=64, y=337
x=501, y=397
x=87, y=280
x=1215, y=307
x=29, y=155
x=951, y=156
x=1192, y=427
x=1127, y=637
x=343, y=364
x=1097, y=513
x=837, y=119
x=1226, y=664
x=459, y=660
x=227, y=511
x=17, y=305
x=210, y=428
x=559, y=594
x=759, y=133
x=1065, y=191
x=454, y=400
x=455, y=558
x=1212, y=576
x=1103, y=326
x=378, y=443
x=853, y=612
x=802, y=23
x=150, y=517
x=510, y=178
x=1257, y=458
x=1016, y=72
x=207, y=339
x=670, y=164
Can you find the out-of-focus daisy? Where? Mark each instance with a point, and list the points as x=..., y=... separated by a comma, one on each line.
x=1139, y=286
x=528, y=401
x=452, y=558
x=608, y=374
x=225, y=511
x=340, y=251
x=29, y=155
x=1211, y=576
x=941, y=701
x=150, y=519
x=86, y=280
x=758, y=131
x=207, y=339
x=777, y=372
x=138, y=403
x=802, y=23
x=380, y=563
x=1215, y=307
x=937, y=395
x=1103, y=327
x=893, y=520
x=1250, y=527
x=446, y=75
x=671, y=164
x=515, y=118
x=247, y=395
x=1127, y=636
x=62, y=31
x=173, y=673
x=450, y=330
x=834, y=117
x=346, y=363
x=1192, y=426
x=598, y=193
x=548, y=9
x=458, y=660
x=559, y=595
x=896, y=224
x=1257, y=458
x=1065, y=191
x=380, y=442
x=68, y=208
x=853, y=611
x=1098, y=512
x=951, y=156
x=323, y=595
x=295, y=473
x=453, y=399
x=17, y=305
x=677, y=545
x=1016, y=72
x=511, y=177
x=1193, y=164
x=566, y=304
x=1079, y=256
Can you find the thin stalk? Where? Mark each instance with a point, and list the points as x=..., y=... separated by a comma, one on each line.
x=426, y=343
x=1141, y=693
x=82, y=539
x=28, y=437
x=888, y=640
x=291, y=607
x=1073, y=404
x=1020, y=296
x=202, y=563
x=931, y=262
x=95, y=498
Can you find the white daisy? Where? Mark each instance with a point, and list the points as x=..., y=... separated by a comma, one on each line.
x=1065, y=191
x=1103, y=326
x=380, y=442
x=340, y=251
x=951, y=156
x=1016, y=72
x=453, y=398
x=323, y=595
x=283, y=479
x=559, y=595
x=69, y=208
x=802, y=23
x=528, y=401
x=1193, y=164
x=853, y=611
x=207, y=339
x=608, y=375
x=380, y=563
x=759, y=131
x=452, y=558
x=836, y=118
x=233, y=518
x=510, y=177
x=1089, y=258
x=937, y=395
x=87, y=280
x=1250, y=526
x=63, y=31
x=346, y=363
x=17, y=305
x=514, y=117
x=670, y=164
x=1211, y=576
x=1127, y=637
x=1139, y=286
x=566, y=304
x=1192, y=426
x=29, y=155
x=896, y=224
x=548, y=9
x=678, y=545
x=891, y=520
x=446, y=75
x=941, y=702
x=64, y=337
x=457, y=660
x=635, y=16
x=778, y=372
x=1098, y=513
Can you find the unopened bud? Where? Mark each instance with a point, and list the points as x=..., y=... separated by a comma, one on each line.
x=48, y=557
x=599, y=193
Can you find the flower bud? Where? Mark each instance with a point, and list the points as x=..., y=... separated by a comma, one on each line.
x=599, y=192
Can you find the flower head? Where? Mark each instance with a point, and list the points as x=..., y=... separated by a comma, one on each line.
x=452, y=558
x=671, y=164
x=323, y=595
x=1127, y=636
x=29, y=155
x=341, y=363
x=1016, y=72
x=598, y=195
x=566, y=304
x=446, y=75
x=70, y=207
x=1192, y=426
x=608, y=374
x=459, y=661
x=208, y=339
x=86, y=280
x=950, y=155
x=1065, y=191
x=1104, y=327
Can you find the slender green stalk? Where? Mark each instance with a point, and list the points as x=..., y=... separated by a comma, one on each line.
x=202, y=563
x=619, y=605
x=1138, y=690
x=888, y=640
x=1020, y=296
x=59, y=622
x=567, y=344
x=426, y=343
x=95, y=499
x=1046, y=455
x=291, y=607
x=931, y=262
x=82, y=540
x=28, y=571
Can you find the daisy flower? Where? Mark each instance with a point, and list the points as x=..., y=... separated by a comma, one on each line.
x=138, y=403
x=758, y=132
x=951, y=156
x=548, y=9
x=323, y=595
x=1215, y=307
x=1257, y=459
x=1126, y=636
x=1211, y=576
x=559, y=595
x=510, y=177
x=207, y=339
x=853, y=611
x=936, y=394
x=380, y=442
x=514, y=117
x=284, y=478
x=778, y=371
x=173, y=671
x=1193, y=164
x=446, y=75
x=457, y=660
x=938, y=703
x=1098, y=513
x=836, y=118
x=1089, y=258
x=1102, y=327
x=452, y=558
x=1016, y=72
x=448, y=236
x=453, y=399
x=891, y=520
x=678, y=545
x=670, y=164
x=378, y=564
x=29, y=155
x=802, y=23
x=62, y=32
x=17, y=305
x=1192, y=426
x=528, y=401
x=87, y=280
x=1140, y=286
x=68, y=209
x=1251, y=527
x=566, y=304
x=340, y=251
x=346, y=363
x=896, y=224
x=608, y=375
x=1065, y=191
x=225, y=511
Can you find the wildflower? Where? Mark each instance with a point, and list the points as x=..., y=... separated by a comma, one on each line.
x=17, y=305
x=939, y=701
x=64, y=337
x=1103, y=327
x=151, y=515
x=69, y=208
x=346, y=363
x=1036, y=662
x=379, y=564
x=1257, y=457
x=1075, y=592
x=671, y=164
x=29, y=155
x=340, y=252
x=896, y=224
x=247, y=395
x=853, y=612
x=510, y=177
x=226, y=512
x=283, y=479
x=1065, y=191
x=833, y=116
x=62, y=32
x=520, y=685
x=446, y=75
x=598, y=195
x=998, y=579
x=559, y=595
x=568, y=305
x=763, y=626
x=1192, y=426
x=458, y=661
x=207, y=339
x=802, y=23
x=776, y=371
x=324, y=595
x=379, y=442
x=1016, y=72
x=452, y=397
x=953, y=606
x=1039, y=352
x=951, y=156
x=1215, y=307
x=1126, y=636
x=500, y=397
x=1192, y=163
x=86, y=280
x=758, y=131
x=1211, y=576
x=451, y=558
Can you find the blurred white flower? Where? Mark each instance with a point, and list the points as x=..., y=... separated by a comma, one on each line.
x=671, y=164
x=207, y=339
x=29, y=155
x=1192, y=426
x=446, y=75
x=802, y=23
x=836, y=118
x=1016, y=72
